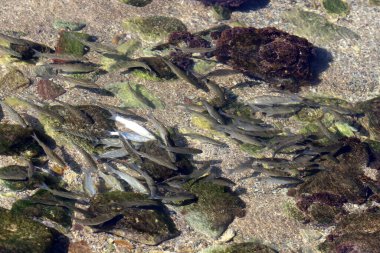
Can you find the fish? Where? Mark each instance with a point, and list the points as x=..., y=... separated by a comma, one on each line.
x=50, y=153
x=88, y=137
x=132, y=125
x=269, y=100
x=282, y=180
x=148, y=179
x=91, y=164
x=81, y=83
x=13, y=40
x=133, y=182
x=115, y=153
x=13, y=114
x=140, y=97
x=207, y=117
x=11, y=52
x=56, y=202
x=213, y=113
x=182, y=150
x=98, y=220
x=288, y=142
x=64, y=194
x=277, y=111
x=130, y=136
x=43, y=110
x=188, y=77
x=96, y=46
x=88, y=184
x=326, y=131
x=120, y=110
x=129, y=148
x=129, y=64
x=75, y=112
x=110, y=142
x=248, y=126
x=213, y=86
x=191, y=107
x=158, y=160
x=205, y=139
x=236, y=134
x=63, y=57
x=72, y=67
x=111, y=182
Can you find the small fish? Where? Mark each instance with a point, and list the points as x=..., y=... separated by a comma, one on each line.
x=282, y=180
x=217, y=90
x=56, y=202
x=129, y=148
x=116, y=153
x=121, y=110
x=13, y=40
x=213, y=113
x=63, y=194
x=89, y=184
x=81, y=135
x=287, y=142
x=129, y=64
x=43, y=110
x=63, y=57
x=278, y=111
x=72, y=67
x=81, y=83
x=326, y=131
x=182, y=150
x=6, y=50
x=148, y=179
x=133, y=182
x=50, y=153
x=110, y=142
x=88, y=158
x=158, y=161
x=132, y=125
x=98, y=220
x=269, y=100
x=192, y=107
x=111, y=182
x=16, y=174
x=96, y=46
x=205, y=139
x=13, y=114
x=130, y=136
x=188, y=77
x=240, y=136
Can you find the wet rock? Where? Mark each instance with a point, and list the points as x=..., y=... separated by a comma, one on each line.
x=14, y=139
x=67, y=44
x=317, y=28
x=371, y=120
x=161, y=70
x=191, y=40
x=67, y=25
x=221, y=13
x=131, y=99
x=31, y=209
x=149, y=226
x=214, y=210
x=267, y=53
x=13, y=81
x=21, y=234
x=154, y=28
x=47, y=89
x=339, y=7
x=79, y=247
x=13, y=172
x=245, y=247
x=137, y=3
x=359, y=232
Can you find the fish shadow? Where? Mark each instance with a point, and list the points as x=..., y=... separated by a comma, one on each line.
x=320, y=63
x=74, y=166
x=253, y=5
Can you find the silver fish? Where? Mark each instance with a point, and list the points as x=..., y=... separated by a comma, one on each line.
x=72, y=67
x=205, y=139
x=77, y=82
x=63, y=194
x=158, y=161
x=111, y=182
x=211, y=110
x=129, y=64
x=89, y=184
x=116, y=153
x=182, y=150
x=50, y=153
x=282, y=180
x=88, y=158
x=64, y=57
x=13, y=114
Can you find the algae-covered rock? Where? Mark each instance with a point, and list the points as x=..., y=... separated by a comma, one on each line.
x=374, y=2
x=339, y=7
x=137, y=3
x=214, y=210
x=317, y=28
x=139, y=97
x=14, y=80
x=149, y=225
x=68, y=44
x=154, y=28
x=14, y=139
x=67, y=25
x=245, y=247
x=21, y=234
x=31, y=209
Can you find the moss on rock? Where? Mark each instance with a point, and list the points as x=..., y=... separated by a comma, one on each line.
x=137, y=3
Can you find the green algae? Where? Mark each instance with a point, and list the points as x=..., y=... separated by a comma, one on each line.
x=68, y=44
x=203, y=67
x=137, y=3
x=154, y=28
x=293, y=212
x=315, y=27
x=205, y=215
x=130, y=47
x=30, y=209
x=13, y=81
x=144, y=75
x=67, y=25
x=245, y=247
x=339, y=7
x=323, y=214
x=251, y=149
x=123, y=92
x=21, y=234
x=345, y=129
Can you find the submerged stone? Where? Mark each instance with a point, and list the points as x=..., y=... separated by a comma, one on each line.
x=137, y=3
x=339, y=7
x=134, y=99
x=154, y=28
x=14, y=80
x=374, y=2
x=21, y=234
x=214, y=210
x=14, y=139
x=67, y=25
x=68, y=44
x=267, y=53
x=47, y=89
x=317, y=28
x=149, y=226
x=245, y=247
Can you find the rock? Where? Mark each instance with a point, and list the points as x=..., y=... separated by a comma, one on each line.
x=79, y=247
x=374, y=2
x=12, y=82
x=214, y=210
x=48, y=90
x=317, y=28
x=147, y=226
x=221, y=13
x=154, y=28
x=67, y=44
x=129, y=98
x=21, y=234
x=339, y=7
x=137, y=3
x=245, y=247
x=67, y=25
x=267, y=53
x=27, y=207
x=14, y=139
